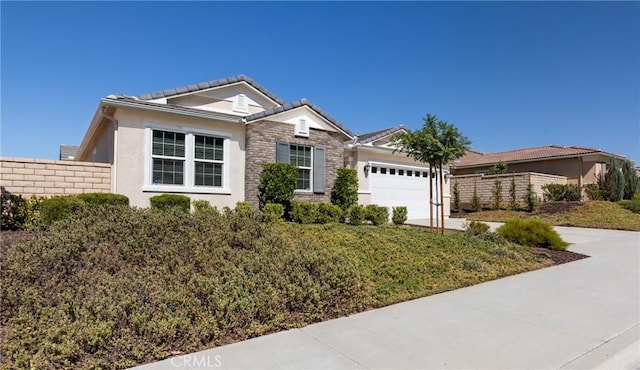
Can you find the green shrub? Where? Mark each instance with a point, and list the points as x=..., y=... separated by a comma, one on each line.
x=632, y=205
x=593, y=192
x=530, y=199
x=59, y=208
x=476, y=203
x=166, y=201
x=272, y=212
x=476, y=228
x=497, y=195
x=328, y=213
x=499, y=168
x=244, y=209
x=304, y=212
x=376, y=214
x=101, y=199
x=345, y=189
x=399, y=216
x=114, y=288
x=277, y=184
x=201, y=205
x=561, y=193
x=532, y=232
x=513, y=201
x=456, y=197
x=355, y=215
x=14, y=211
x=631, y=180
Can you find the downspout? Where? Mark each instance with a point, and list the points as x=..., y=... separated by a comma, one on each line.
x=114, y=168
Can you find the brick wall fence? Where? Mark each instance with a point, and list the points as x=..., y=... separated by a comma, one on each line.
x=26, y=177
x=485, y=184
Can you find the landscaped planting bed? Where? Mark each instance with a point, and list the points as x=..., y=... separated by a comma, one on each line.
x=113, y=287
x=593, y=214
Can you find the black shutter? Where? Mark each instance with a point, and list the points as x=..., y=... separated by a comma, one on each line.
x=318, y=171
x=282, y=152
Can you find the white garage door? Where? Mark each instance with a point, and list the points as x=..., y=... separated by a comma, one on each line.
x=394, y=186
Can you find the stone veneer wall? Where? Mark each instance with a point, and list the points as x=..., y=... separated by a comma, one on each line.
x=484, y=186
x=26, y=177
x=261, y=142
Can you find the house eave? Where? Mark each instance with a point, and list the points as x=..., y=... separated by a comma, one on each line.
x=454, y=166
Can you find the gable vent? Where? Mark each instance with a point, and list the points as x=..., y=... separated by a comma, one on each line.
x=302, y=128
x=240, y=104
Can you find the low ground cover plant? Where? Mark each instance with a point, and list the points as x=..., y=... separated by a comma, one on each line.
x=112, y=287
x=595, y=214
x=533, y=233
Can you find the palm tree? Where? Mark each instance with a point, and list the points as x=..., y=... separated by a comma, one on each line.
x=436, y=144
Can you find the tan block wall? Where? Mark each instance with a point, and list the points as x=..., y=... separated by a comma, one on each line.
x=27, y=177
x=485, y=184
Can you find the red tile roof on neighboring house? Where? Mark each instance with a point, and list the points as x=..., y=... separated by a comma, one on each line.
x=474, y=158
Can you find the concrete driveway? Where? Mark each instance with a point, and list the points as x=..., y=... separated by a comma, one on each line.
x=581, y=315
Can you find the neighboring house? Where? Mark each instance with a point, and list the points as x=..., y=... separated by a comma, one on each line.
x=579, y=165
x=68, y=152
x=210, y=140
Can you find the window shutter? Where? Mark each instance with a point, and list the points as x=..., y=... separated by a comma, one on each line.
x=282, y=152
x=318, y=170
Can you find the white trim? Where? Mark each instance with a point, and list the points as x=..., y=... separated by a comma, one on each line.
x=248, y=85
x=189, y=166
x=397, y=165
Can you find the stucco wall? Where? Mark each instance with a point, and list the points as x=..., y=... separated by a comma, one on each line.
x=26, y=177
x=485, y=183
x=358, y=158
x=132, y=149
x=261, y=148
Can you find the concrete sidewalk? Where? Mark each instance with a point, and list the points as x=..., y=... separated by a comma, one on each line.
x=580, y=315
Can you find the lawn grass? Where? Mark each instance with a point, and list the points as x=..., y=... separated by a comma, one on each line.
x=115, y=287
x=592, y=214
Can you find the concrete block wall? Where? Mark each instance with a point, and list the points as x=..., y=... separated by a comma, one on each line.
x=485, y=183
x=27, y=176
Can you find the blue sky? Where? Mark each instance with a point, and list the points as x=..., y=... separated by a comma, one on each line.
x=508, y=74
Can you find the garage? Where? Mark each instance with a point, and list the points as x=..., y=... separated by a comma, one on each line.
x=395, y=185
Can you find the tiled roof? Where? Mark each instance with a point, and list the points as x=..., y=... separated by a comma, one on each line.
x=68, y=152
x=207, y=85
x=175, y=107
x=297, y=104
x=527, y=154
x=373, y=136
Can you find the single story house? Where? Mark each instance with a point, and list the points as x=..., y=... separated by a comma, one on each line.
x=579, y=165
x=209, y=141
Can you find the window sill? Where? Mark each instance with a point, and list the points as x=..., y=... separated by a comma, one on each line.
x=183, y=189
x=303, y=192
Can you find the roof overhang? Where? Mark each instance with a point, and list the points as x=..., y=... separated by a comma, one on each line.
x=320, y=115
x=107, y=107
x=453, y=165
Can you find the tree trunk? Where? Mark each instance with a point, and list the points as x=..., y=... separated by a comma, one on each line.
x=442, y=199
x=430, y=198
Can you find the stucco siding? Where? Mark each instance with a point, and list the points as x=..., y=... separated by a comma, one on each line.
x=133, y=153
x=358, y=158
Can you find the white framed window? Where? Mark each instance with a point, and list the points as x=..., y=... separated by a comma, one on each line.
x=302, y=157
x=186, y=161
